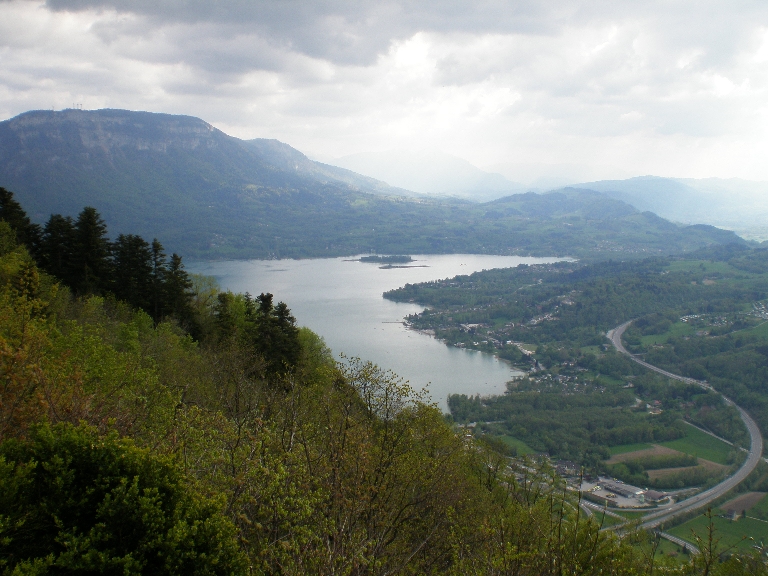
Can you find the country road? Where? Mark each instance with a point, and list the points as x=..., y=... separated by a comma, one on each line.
x=700, y=500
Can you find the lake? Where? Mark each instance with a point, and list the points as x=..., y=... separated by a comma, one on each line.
x=341, y=300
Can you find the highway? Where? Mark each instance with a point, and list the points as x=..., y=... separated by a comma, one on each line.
x=700, y=500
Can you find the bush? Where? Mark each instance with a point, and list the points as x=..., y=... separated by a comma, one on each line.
x=74, y=502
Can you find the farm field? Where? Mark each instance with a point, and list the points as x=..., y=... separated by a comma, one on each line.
x=625, y=448
x=703, y=266
x=521, y=447
x=668, y=550
x=743, y=502
x=702, y=445
x=530, y=347
x=741, y=534
x=677, y=329
x=591, y=350
x=761, y=331
x=711, y=467
x=759, y=509
x=651, y=450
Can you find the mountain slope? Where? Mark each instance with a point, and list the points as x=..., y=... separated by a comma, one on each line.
x=285, y=157
x=206, y=194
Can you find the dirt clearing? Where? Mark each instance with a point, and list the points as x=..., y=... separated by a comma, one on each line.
x=743, y=502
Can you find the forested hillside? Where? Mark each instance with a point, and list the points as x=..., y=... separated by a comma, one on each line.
x=194, y=431
x=129, y=444
x=210, y=195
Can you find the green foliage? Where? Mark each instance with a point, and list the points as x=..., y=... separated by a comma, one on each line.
x=76, y=502
x=575, y=420
x=25, y=232
x=79, y=254
x=267, y=330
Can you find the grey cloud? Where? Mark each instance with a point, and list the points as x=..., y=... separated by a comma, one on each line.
x=355, y=72
x=346, y=32
x=356, y=29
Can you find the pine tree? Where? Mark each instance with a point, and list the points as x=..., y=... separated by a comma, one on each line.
x=133, y=271
x=158, y=275
x=91, y=257
x=57, y=247
x=11, y=211
x=177, y=291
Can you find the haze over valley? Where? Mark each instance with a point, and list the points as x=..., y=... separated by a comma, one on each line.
x=383, y=288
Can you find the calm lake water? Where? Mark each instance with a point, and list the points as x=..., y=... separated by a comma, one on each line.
x=341, y=300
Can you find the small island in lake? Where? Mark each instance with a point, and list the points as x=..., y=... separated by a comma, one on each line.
x=394, y=259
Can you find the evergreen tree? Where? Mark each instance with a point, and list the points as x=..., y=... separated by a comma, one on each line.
x=158, y=275
x=91, y=257
x=11, y=211
x=133, y=271
x=177, y=291
x=226, y=323
x=274, y=334
x=57, y=247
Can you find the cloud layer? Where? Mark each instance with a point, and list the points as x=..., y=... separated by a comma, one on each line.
x=534, y=89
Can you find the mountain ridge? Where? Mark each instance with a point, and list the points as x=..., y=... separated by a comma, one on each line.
x=209, y=195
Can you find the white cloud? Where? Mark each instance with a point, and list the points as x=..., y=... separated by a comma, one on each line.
x=607, y=89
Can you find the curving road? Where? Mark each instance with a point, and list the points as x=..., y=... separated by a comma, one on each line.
x=654, y=519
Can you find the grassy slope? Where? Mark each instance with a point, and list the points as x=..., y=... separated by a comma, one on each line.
x=741, y=534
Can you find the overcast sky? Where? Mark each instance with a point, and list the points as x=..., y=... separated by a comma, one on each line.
x=583, y=90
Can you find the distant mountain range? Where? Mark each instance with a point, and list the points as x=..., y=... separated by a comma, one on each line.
x=432, y=172
x=731, y=203
x=735, y=204
x=206, y=194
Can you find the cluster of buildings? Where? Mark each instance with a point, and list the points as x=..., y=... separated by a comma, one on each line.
x=615, y=493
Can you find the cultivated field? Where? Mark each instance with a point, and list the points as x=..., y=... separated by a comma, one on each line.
x=521, y=447
x=654, y=450
x=743, y=502
x=742, y=534
x=711, y=467
x=701, y=444
x=629, y=448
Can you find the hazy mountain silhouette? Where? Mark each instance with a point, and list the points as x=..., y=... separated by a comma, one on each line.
x=732, y=203
x=431, y=172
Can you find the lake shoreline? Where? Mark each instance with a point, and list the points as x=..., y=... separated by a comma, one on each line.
x=342, y=302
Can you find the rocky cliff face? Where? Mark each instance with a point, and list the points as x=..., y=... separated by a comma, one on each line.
x=175, y=177
x=108, y=131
